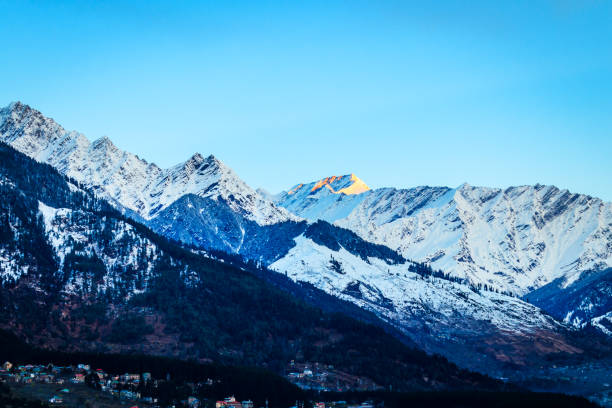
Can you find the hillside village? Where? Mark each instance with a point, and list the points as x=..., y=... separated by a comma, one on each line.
x=323, y=377
x=142, y=389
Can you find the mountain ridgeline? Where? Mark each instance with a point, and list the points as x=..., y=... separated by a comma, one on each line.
x=78, y=275
x=103, y=250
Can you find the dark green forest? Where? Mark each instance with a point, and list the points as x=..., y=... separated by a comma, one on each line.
x=257, y=384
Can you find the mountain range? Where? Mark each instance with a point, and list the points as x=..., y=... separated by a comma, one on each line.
x=503, y=282
x=77, y=275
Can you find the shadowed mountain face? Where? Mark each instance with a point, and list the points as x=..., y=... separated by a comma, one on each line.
x=585, y=300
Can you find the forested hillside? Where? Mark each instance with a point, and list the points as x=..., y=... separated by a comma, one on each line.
x=78, y=275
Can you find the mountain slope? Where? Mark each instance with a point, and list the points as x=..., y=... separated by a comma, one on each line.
x=204, y=204
x=86, y=278
x=514, y=240
x=124, y=178
x=328, y=199
x=438, y=314
x=583, y=301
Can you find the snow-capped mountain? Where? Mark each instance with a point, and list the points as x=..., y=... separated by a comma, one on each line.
x=328, y=199
x=514, y=240
x=58, y=237
x=124, y=178
x=202, y=202
x=75, y=274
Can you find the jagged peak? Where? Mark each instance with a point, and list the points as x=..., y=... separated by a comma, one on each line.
x=104, y=142
x=14, y=109
x=191, y=164
x=16, y=105
x=357, y=186
x=347, y=184
x=197, y=157
x=211, y=158
x=13, y=105
x=22, y=114
x=20, y=108
x=199, y=160
x=212, y=165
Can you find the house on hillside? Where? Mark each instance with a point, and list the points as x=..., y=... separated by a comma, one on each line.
x=193, y=402
x=127, y=395
x=100, y=373
x=130, y=377
x=229, y=402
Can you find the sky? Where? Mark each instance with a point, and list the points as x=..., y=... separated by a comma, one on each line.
x=400, y=93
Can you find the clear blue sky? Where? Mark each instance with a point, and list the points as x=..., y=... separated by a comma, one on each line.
x=400, y=93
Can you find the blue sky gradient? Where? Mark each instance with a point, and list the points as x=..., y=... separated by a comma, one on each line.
x=400, y=93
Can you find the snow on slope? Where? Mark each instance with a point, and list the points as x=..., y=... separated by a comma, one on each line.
x=124, y=178
x=480, y=330
x=398, y=293
x=510, y=240
x=579, y=303
x=604, y=323
x=10, y=266
x=328, y=199
x=516, y=239
x=67, y=229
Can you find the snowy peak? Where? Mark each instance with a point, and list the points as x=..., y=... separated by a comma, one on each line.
x=199, y=165
x=328, y=199
x=17, y=110
x=30, y=132
x=105, y=144
x=348, y=184
x=125, y=179
x=23, y=120
x=197, y=160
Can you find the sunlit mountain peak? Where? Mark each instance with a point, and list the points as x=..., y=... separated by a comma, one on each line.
x=348, y=184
